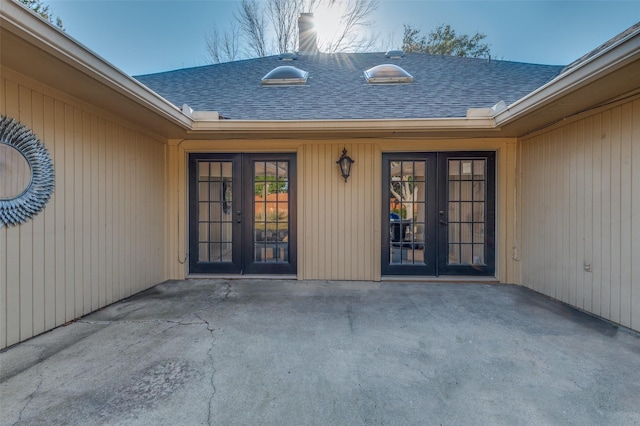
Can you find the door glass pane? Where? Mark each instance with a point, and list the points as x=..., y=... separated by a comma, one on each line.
x=214, y=211
x=478, y=169
x=454, y=233
x=478, y=190
x=271, y=211
x=203, y=170
x=227, y=169
x=466, y=169
x=478, y=254
x=203, y=252
x=478, y=232
x=466, y=191
x=203, y=188
x=408, y=211
x=454, y=170
x=226, y=252
x=466, y=219
x=465, y=254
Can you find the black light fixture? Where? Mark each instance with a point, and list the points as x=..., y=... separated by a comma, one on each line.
x=345, y=163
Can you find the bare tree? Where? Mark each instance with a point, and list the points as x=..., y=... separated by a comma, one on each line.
x=225, y=46
x=277, y=21
x=252, y=22
x=283, y=15
x=354, y=17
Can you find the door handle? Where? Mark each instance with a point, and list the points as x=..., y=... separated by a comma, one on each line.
x=238, y=216
x=442, y=222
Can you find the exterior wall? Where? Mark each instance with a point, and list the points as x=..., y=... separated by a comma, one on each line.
x=581, y=213
x=100, y=237
x=339, y=223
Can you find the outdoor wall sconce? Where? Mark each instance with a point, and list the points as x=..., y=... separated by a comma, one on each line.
x=345, y=163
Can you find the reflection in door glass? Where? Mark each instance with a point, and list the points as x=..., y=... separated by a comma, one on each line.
x=466, y=214
x=271, y=211
x=214, y=211
x=407, y=207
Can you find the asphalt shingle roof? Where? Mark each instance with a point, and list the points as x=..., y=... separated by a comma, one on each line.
x=443, y=86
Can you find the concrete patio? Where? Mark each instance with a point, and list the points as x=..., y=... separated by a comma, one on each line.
x=244, y=352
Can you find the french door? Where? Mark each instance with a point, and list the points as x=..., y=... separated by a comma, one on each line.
x=438, y=213
x=242, y=213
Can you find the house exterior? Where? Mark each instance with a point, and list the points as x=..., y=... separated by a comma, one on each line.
x=467, y=169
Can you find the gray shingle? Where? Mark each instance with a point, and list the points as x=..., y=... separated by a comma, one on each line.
x=444, y=86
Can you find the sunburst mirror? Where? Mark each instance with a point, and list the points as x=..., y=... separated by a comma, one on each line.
x=26, y=173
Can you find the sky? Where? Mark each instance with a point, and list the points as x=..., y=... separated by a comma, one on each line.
x=149, y=36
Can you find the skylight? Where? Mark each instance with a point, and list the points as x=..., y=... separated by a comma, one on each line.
x=287, y=56
x=387, y=73
x=285, y=75
x=394, y=54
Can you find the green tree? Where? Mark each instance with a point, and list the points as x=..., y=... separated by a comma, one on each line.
x=43, y=10
x=444, y=41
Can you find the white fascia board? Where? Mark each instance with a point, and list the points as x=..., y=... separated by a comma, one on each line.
x=399, y=125
x=614, y=57
x=27, y=25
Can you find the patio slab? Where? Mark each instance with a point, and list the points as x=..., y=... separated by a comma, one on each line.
x=328, y=353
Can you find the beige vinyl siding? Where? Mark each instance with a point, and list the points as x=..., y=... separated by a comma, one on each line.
x=581, y=210
x=100, y=237
x=339, y=224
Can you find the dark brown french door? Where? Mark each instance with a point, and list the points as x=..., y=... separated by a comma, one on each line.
x=242, y=213
x=438, y=213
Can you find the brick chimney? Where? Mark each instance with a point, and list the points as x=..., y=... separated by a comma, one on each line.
x=307, y=37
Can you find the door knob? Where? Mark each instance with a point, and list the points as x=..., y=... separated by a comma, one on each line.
x=442, y=222
x=238, y=216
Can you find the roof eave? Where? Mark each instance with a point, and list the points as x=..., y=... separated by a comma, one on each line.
x=373, y=127
x=26, y=25
x=626, y=51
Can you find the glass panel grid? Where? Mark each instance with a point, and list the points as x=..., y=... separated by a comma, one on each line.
x=271, y=212
x=214, y=211
x=407, y=208
x=466, y=213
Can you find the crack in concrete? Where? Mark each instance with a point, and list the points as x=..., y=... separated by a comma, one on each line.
x=156, y=321
x=211, y=358
x=418, y=370
x=225, y=296
x=29, y=398
x=350, y=317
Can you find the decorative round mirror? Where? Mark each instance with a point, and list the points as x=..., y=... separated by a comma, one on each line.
x=26, y=173
x=15, y=173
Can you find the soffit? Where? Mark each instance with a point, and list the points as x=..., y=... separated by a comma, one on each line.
x=609, y=77
x=336, y=129
x=64, y=65
x=589, y=96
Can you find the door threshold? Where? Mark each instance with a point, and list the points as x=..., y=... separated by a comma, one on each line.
x=461, y=279
x=240, y=277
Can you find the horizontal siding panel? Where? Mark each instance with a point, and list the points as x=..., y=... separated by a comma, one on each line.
x=581, y=212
